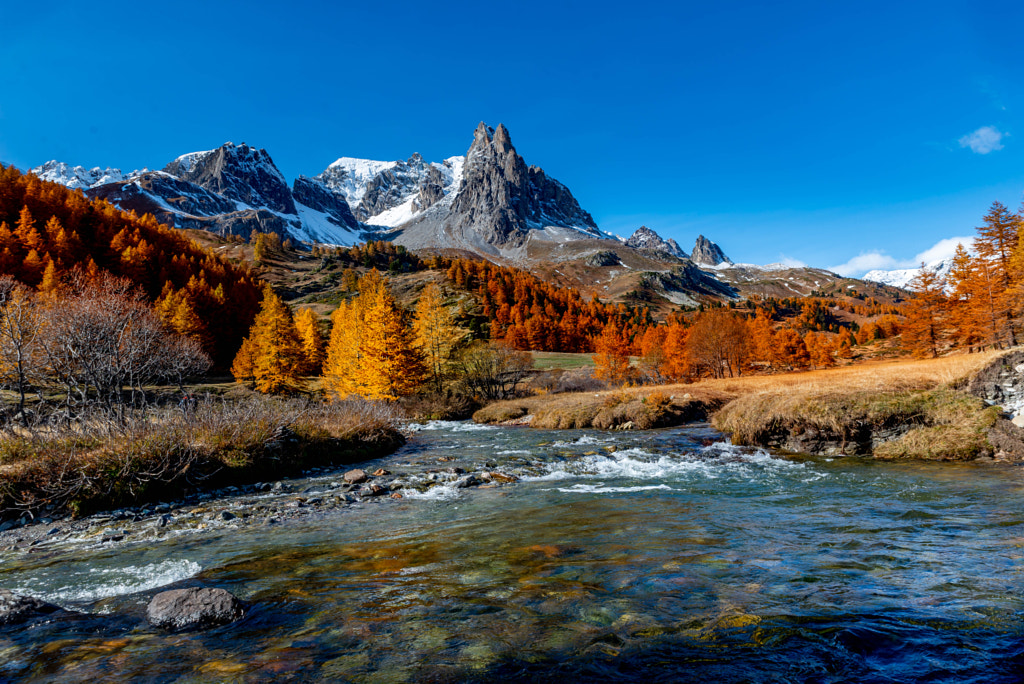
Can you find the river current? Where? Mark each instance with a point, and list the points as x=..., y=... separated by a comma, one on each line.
x=617, y=556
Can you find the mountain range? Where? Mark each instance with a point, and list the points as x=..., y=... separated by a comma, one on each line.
x=902, y=277
x=487, y=203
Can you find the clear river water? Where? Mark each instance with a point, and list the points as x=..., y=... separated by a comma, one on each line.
x=617, y=556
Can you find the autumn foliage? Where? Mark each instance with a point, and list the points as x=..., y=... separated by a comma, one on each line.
x=46, y=230
x=372, y=350
x=981, y=303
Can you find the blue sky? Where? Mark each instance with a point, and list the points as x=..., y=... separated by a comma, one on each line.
x=816, y=132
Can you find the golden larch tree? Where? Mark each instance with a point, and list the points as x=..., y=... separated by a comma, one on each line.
x=391, y=366
x=244, y=365
x=924, y=330
x=436, y=333
x=371, y=352
x=277, y=353
x=612, y=357
x=340, y=370
x=313, y=347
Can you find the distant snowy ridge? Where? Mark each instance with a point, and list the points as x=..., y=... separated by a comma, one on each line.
x=78, y=177
x=904, y=276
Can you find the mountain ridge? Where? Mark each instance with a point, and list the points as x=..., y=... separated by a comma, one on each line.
x=488, y=202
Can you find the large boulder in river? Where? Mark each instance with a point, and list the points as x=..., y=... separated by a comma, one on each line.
x=15, y=608
x=195, y=608
x=355, y=476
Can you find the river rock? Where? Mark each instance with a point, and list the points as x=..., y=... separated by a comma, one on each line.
x=195, y=608
x=355, y=476
x=373, y=490
x=15, y=608
x=468, y=481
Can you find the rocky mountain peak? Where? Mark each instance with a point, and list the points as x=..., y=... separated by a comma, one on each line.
x=240, y=172
x=502, y=140
x=501, y=199
x=707, y=253
x=646, y=239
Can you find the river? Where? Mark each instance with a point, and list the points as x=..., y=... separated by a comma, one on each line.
x=617, y=556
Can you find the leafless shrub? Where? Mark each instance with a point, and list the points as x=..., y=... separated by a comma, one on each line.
x=581, y=380
x=492, y=371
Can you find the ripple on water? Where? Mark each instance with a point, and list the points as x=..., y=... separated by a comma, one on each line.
x=58, y=584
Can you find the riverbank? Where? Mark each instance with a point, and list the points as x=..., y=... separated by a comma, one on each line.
x=936, y=409
x=169, y=453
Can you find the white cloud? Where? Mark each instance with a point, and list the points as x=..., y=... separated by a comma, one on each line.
x=984, y=140
x=878, y=260
x=943, y=249
x=864, y=262
x=790, y=262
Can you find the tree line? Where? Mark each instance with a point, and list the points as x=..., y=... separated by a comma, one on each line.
x=980, y=304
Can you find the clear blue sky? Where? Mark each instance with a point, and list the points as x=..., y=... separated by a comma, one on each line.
x=811, y=131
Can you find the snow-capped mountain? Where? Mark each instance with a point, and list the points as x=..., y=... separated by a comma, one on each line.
x=902, y=277
x=391, y=193
x=77, y=177
x=488, y=201
x=233, y=189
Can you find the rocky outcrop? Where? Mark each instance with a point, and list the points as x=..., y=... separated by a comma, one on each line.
x=603, y=258
x=646, y=239
x=688, y=280
x=195, y=608
x=501, y=199
x=1001, y=382
x=15, y=609
x=237, y=172
x=431, y=189
x=707, y=253
x=164, y=196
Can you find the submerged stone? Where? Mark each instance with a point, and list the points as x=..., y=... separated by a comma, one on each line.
x=195, y=608
x=15, y=608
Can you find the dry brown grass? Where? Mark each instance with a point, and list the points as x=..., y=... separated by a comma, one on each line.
x=91, y=466
x=911, y=405
x=885, y=376
x=643, y=407
x=901, y=409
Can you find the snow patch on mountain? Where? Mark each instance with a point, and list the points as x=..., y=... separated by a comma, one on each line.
x=317, y=226
x=389, y=194
x=349, y=176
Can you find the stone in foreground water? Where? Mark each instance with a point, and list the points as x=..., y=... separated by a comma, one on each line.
x=195, y=608
x=15, y=608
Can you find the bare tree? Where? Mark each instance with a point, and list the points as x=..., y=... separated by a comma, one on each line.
x=103, y=343
x=492, y=371
x=20, y=351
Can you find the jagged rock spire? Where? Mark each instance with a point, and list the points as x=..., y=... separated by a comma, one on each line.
x=708, y=253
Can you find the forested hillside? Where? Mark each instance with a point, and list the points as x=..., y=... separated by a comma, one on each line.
x=47, y=230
